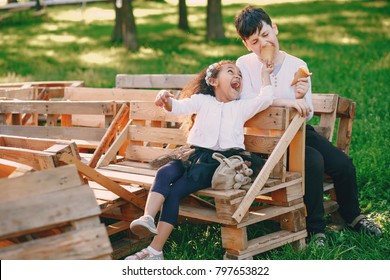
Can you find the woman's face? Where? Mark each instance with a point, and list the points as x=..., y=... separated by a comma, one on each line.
x=228, y=83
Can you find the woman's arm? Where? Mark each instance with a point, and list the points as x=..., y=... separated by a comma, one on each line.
x=299, y=104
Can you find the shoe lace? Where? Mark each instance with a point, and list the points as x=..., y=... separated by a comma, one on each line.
x=369, y=225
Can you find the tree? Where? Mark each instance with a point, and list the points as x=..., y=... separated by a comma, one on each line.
x=125, y=29
x=215, y=30
x=183, y=21
x=40, y=5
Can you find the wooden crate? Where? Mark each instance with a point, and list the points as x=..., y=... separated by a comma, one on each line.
x=50, y=214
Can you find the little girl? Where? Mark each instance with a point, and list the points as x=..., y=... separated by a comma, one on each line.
x=218, y=127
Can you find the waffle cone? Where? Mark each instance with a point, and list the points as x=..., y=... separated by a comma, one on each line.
x=267, y=53
x=301, y=73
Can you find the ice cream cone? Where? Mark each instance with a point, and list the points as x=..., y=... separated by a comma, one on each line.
x=301, y=73
x=267, y=53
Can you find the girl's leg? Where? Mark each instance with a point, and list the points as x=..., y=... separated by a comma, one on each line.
x=165, y=176
x=164, y=230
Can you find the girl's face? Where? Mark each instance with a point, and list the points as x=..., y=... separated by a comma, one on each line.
x=266, y=36
x=228, y=83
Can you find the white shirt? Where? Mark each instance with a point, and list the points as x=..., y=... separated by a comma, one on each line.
x=250, y=66
x=220, y=126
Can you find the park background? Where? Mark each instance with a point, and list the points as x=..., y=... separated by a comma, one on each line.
x=345, y=44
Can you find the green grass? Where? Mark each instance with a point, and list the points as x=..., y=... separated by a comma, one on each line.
x=345, y=43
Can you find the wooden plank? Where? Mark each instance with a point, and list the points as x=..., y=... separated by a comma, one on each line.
x=101, y=94
x=59, y=107
x=89, y=243
x=142, y=180
x=28, y=157
x=160, y=81
x=87, y=136
x=22, y=216
x=39, y=183
x=268, y=213
x=143, y=110
x=43, y=84
x=123, y=114
x=157, y=135
x=276, y=155
x=266, y=243
x=130, y=169
x=112, y=151
x=19, y=93
x=324, y=103
x=117, y=227
x=103, y=180
x=141, y=153
x=30, y=143
x=346, y=107
x=261, y=144
x=271, y=118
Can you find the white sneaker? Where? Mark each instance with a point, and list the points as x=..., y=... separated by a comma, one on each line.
x=145, y=254
x=143, y=226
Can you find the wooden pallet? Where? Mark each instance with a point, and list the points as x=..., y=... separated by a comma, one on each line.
x=56, y=120
x=152, y=135
x=53, y=216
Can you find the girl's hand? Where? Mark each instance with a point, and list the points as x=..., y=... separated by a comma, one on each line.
x=301, y=88
x=162, y=98
x=266, y=70
x=301, y=106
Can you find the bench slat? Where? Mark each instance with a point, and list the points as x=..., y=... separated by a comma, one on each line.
x=153, y=81
x=150, y=112
x=58, y=107
x=157, y=135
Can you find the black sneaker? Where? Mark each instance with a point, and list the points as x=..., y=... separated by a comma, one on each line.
x=317, y=240
x=362, y=224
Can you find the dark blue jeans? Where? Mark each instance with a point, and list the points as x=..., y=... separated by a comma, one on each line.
x=322, y=157
x=173, y=183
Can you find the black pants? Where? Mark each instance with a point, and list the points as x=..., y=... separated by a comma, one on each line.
x=322, y=157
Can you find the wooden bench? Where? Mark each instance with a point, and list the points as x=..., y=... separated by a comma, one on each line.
x=50, y=214
x=277, y=193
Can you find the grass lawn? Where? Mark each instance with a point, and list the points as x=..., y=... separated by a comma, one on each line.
x=345, y=43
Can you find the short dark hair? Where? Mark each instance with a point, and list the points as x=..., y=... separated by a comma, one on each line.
x=250, y=20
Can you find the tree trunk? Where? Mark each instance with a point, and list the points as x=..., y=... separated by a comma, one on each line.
x=125, y=30
x=215, y=30
x=183, y=20
x=39, y=5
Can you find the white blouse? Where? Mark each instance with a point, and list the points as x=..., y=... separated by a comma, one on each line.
x=250, y=67
x=218, y=125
